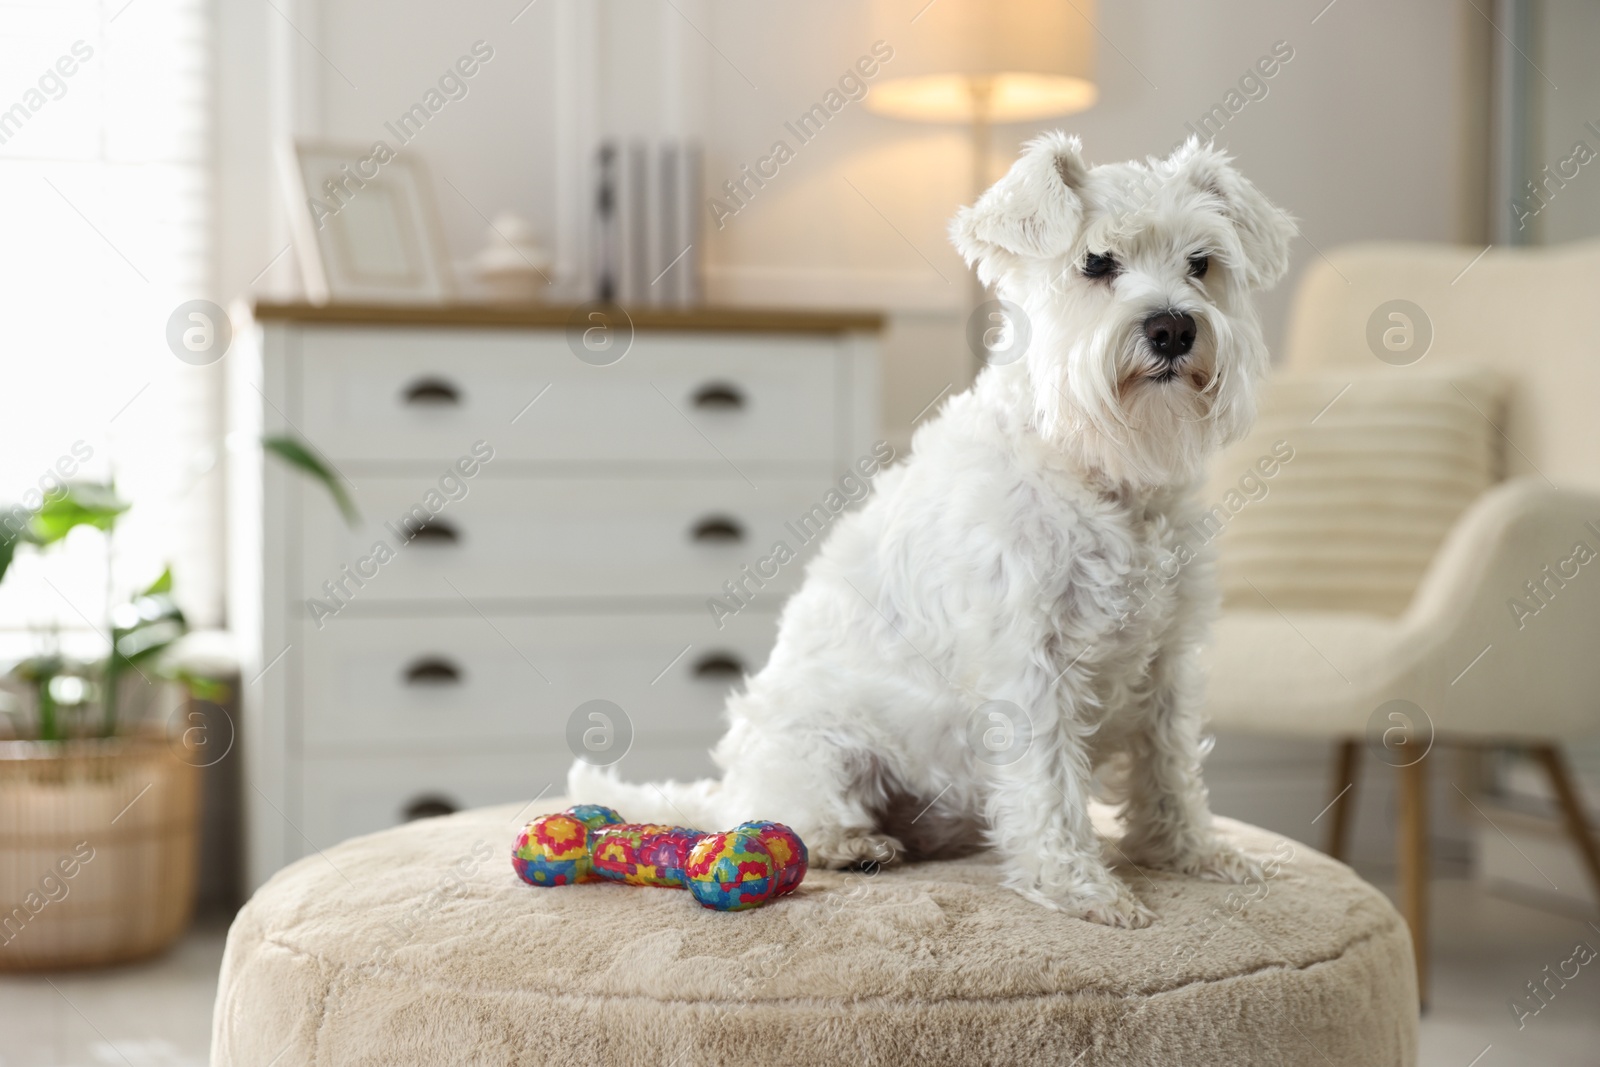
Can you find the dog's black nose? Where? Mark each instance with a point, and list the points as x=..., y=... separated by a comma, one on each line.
x=1170, y=333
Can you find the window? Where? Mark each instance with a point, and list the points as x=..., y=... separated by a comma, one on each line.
x=104, y=173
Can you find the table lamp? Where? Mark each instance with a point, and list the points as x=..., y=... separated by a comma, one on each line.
x=984, y=63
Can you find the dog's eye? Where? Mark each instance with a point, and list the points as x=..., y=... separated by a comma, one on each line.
x=1198, y=265
x=1098, y=266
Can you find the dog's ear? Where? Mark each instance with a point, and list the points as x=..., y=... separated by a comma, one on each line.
x=1264, y=229
x=1033, y=212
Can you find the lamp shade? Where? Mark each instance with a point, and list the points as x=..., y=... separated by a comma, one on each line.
x=966, y=60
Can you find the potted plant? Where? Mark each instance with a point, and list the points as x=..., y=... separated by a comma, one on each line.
x=99, y=799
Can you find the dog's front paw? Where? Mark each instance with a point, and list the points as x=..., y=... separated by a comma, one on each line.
x=843, y=848
x=1125, y=913
x=1217, y=862
x=1203, y=857
x=1118, y=907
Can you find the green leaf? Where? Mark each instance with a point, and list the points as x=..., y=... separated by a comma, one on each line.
x=145, y=626
x=8, y=550
x=202, y=688
x=141, y=643
x=38, y=670
x=162, y=584
x=141, y=630
x=299, y=456
x=79, y=504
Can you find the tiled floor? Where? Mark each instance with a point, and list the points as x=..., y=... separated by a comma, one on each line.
x=155, y=1014
x=159, y=1014
x=1485, y=951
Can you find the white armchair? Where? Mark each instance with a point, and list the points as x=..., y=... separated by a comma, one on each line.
x=1481, y=670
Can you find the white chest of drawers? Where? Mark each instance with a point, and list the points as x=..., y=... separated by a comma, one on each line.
x=575, y=521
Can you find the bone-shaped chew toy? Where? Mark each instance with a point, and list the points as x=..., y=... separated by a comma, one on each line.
x=742, y=868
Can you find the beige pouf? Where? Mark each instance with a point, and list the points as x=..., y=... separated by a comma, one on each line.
x=420, y=946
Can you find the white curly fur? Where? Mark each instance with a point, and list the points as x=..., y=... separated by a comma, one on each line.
x=1010, y=558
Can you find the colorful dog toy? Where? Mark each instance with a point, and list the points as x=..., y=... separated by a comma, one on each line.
x=743, y=868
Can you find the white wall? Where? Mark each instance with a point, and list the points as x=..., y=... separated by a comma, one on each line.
x=339, y=70
x=1562, y=105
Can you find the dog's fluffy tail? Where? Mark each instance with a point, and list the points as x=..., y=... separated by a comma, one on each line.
x=691, y=804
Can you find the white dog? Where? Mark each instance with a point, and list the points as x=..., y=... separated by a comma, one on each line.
x=1015, y=606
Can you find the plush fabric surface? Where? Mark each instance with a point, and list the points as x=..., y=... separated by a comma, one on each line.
x=419, y=945
x=1369, y=471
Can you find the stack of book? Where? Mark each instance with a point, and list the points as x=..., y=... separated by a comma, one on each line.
x=646, y=234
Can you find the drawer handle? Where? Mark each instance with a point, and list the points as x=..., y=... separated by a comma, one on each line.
x=436, y=532
x=719, y=396
x=429, y=806
x=719, y=667
x=718, y=530
x=433, y=670
x=432, y=391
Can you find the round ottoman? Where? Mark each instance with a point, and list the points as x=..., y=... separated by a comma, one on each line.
x=419, y=945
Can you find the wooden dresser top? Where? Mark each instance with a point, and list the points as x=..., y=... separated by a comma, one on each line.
x=558, y=316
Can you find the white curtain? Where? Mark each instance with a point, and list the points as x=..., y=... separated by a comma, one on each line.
x=104, y=178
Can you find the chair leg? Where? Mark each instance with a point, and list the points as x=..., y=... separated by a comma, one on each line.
x=1412, y=856
x=1572, y=813
x=1346, y=766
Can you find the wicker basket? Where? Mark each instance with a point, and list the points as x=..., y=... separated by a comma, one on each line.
x=97, y=850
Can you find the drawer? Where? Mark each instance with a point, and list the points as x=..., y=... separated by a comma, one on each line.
x=342, y=797
x=427, y=395
x=469, y=682
x=513, y=537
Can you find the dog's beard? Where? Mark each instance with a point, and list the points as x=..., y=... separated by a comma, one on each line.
x=1141, y=419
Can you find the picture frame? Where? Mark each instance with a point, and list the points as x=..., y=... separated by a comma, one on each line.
x=365, y=225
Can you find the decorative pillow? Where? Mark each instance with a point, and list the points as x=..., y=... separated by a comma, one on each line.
x=1343, y=492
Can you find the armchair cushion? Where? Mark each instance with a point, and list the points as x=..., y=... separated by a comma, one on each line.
x=1497, y=645
x=1343, y=493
